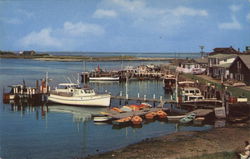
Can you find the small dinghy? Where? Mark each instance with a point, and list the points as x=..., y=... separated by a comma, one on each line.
x=136, y=120
x=188, y=118
x=122, y=121
x=101, y=118
x=150, y=115
x=161, y=114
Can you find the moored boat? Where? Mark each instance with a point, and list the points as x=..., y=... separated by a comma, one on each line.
x=72, y=94
x=188, y=118
x=101, y=118
x=161, y=114
x=122, y=121
x=150, y=115
x=136, y=120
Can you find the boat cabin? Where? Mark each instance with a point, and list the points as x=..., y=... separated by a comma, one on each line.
x=191, y=91
x=192, y=98
x=72, y=89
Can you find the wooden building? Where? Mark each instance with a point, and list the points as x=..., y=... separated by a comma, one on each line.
x=240, y=69
x=218, y=65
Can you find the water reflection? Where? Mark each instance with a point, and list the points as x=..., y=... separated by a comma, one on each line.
x=80, y=114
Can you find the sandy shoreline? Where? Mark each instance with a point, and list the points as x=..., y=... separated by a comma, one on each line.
x=185, y=144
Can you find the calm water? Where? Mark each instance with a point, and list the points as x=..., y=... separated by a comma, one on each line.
x=142, y=54
x=56, y=131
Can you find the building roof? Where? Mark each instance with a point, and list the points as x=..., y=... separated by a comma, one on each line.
x=225, y=65
x=223, y=56
x=229, y=50
x=202, y=60
x=246, y=60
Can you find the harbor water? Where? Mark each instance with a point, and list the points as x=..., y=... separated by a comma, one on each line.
x=62, y=132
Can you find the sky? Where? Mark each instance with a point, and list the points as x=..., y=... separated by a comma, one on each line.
x=124, y=25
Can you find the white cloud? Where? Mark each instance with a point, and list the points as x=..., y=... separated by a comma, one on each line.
x=231, y=25
x=42, y=38
x=10, y=20
x=25, y=13
x=235, y=8
x=248, y=16
x=184, y=11
x=139, y=14
x=81, y=29
x=70, y=35
x=102, y=13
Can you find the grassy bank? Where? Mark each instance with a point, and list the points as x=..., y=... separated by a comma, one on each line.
x=236, y=91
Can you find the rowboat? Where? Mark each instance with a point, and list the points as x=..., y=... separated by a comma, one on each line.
x=161, y=114
x=136, y=120
x=188, y=118
x=122, y=121
x=150, y=115
x=101, y=118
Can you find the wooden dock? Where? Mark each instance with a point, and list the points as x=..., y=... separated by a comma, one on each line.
x=144, y=99
x=202, y=112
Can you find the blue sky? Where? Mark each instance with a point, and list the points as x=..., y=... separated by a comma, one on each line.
x=124, y=25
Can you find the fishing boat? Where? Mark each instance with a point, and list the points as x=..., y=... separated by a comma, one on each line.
x=188, y=118
x=169, y=82
x=73, y=94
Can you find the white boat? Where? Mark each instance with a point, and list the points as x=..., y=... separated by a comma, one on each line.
x=104, y=78
x=72, y=94
x=101, y=118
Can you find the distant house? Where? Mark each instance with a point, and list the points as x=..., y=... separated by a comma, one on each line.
x=240, y=69
x=190, y=66
x=202, y=62
x=29, y=53
x=218, y=65
x=229, y=50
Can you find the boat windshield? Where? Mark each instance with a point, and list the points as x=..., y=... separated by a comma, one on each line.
x=89, y=91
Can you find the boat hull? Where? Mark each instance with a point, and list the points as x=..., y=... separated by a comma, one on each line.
x=104, y=78
x=97, y=100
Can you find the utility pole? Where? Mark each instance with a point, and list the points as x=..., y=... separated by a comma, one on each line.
x=202, y=47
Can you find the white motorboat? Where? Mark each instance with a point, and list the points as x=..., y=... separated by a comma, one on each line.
x=72, y=94
x=104, y=78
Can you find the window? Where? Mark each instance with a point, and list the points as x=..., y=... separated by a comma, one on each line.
x=238, y=64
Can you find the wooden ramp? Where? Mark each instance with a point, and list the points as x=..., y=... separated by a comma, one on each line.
x=202, y=112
